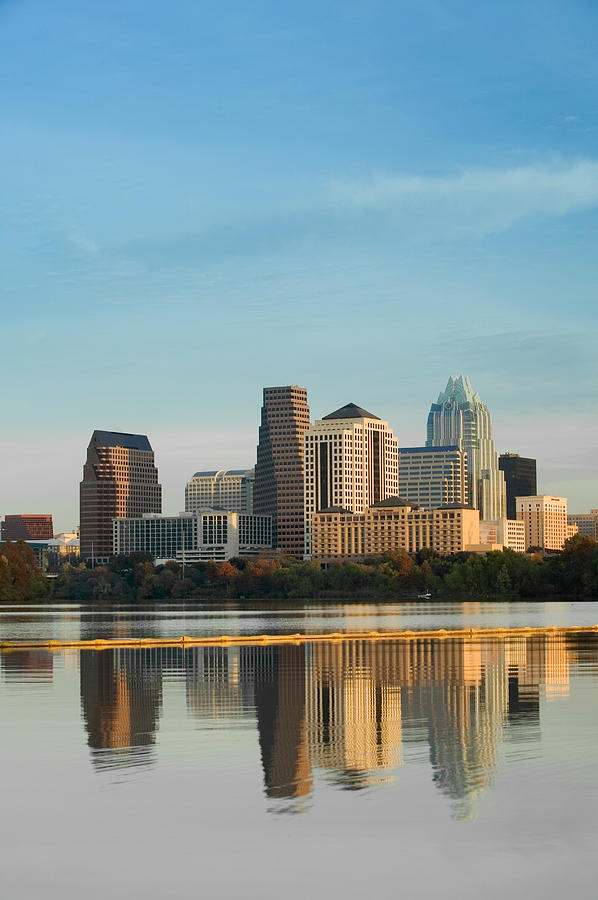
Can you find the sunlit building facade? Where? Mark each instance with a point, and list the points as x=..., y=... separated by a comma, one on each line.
x=545, y=520
x=120, y=479
x=509, y=533
x=389, y=526
x=278, y=486
x=351, y=462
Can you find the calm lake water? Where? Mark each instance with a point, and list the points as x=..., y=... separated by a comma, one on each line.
x=442, y=767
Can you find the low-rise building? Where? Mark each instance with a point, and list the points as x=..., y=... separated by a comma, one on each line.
x=509, y=533
x=392, y=525
x=587, y=523
x=27, y=527
x=212, y=534
x=64, y=547
x=545, y=521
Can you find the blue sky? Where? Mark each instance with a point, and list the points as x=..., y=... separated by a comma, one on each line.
x=200, y=199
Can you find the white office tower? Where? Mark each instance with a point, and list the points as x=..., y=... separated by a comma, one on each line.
x=460, y=418
x=351, y=462
x=230, y=489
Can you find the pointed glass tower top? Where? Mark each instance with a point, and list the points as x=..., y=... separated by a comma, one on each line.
x=458, y=390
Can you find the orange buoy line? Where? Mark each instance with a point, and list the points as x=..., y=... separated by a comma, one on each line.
x=226, y=640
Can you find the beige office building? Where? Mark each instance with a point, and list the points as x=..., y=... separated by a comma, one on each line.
x=351, y=462
x=545, y=520
x=509, y=533
x=392, y=525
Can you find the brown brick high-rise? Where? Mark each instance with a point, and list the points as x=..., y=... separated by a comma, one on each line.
x=119, y=480
x=278, y=489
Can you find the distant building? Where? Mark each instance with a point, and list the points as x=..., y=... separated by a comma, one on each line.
x=509, y=533
x=64, y=547
x=392, y=525
x=351, y=462
x=40, y=551
x=545, y=520
x=230, y=489
x=431, y=477
x=119, y=479
x=27, y=527
x=460, y=418
x=520, y=479
x=278, y=487
x=52, y=553
x=215, y=534
x=587, y=523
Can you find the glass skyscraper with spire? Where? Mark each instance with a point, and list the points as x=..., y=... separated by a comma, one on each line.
x=460, y=418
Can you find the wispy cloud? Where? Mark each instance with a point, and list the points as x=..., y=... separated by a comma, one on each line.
x=470, y=204
x=81, y=242
x=474, y=202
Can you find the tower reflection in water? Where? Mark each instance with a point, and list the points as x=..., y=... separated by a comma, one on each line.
x=346, y=712
x=121, y=698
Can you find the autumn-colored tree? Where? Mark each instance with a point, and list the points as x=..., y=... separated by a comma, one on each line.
x=20, y=576
x=225, y=572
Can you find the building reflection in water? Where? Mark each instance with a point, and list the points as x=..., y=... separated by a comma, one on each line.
x=31, y=666
x=121, y=697
x=278, y=675
x=354, y=712
x=348, y=711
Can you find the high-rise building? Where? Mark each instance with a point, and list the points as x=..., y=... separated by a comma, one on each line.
x=230, y=489
x=460, y=418
x=278, y=486
x=433, y=476
x=520, y=479
x=351, y=462
x=545, y=520
x=119, y=479
x=27, y=527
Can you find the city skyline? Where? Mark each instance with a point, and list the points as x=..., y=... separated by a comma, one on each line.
x=178, y=448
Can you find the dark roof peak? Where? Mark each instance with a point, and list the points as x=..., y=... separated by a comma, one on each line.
x=120, y=439
x=351, y=411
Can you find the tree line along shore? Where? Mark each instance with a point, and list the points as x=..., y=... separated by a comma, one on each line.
x=572, y=573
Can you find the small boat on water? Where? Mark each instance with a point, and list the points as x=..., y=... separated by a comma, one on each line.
x=425, y=596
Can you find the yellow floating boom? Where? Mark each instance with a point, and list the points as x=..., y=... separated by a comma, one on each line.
x=226, y=640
